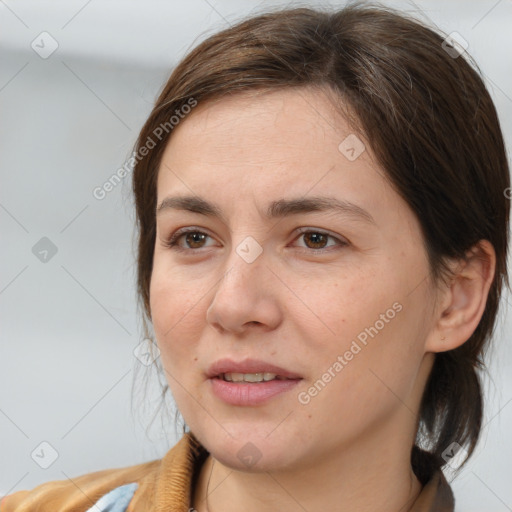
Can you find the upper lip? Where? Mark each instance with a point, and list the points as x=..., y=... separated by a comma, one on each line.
x=247, y=366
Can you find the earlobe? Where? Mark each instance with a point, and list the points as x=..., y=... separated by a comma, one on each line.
x=464, y=299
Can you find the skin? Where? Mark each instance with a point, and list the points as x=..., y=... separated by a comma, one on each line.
x=300, y=307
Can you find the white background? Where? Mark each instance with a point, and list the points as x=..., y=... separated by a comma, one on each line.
x=69, y=326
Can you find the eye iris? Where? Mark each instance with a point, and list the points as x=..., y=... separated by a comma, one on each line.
x=193, y=237
x=316, y=238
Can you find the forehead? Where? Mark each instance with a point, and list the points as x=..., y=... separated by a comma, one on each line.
x=285, y=131
x=268, y=146
x=242, y=121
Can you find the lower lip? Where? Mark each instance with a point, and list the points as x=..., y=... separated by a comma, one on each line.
x=243, y=393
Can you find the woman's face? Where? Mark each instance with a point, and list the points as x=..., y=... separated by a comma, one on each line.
x=337, y=296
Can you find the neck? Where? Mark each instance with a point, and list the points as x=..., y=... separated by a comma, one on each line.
x=377, y=476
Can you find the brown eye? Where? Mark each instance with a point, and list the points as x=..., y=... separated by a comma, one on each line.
x=319, y=240
x=194, y=239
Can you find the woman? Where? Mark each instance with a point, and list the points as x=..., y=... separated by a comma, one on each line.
x=323, y=232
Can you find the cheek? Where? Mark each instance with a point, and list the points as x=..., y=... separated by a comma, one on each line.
x=370, y=383
x=175, y=318
x=377, y=334
x=341, y=311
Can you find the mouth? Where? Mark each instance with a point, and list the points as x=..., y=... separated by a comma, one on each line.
x=250, y=382
x=249, y=370
x=250, y=378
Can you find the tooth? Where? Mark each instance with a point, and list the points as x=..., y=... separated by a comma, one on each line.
x=253, y=377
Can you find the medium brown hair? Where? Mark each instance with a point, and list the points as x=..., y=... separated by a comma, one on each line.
x=433, y=128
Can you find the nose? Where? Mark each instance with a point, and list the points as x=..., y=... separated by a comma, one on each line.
x=246, y=296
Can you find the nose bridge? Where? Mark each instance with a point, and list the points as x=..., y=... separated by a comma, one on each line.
x=243, y=296
x=244, y=268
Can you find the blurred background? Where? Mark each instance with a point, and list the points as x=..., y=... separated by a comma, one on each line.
x=77, y=80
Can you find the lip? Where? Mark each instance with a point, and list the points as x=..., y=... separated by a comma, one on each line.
x=227, y=365
x=247, y=394
x=244, y=393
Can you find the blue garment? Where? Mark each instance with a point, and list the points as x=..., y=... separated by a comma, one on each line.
x=117, y=500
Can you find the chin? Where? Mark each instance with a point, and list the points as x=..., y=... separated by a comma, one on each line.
x=248, y=451
x=250, y=460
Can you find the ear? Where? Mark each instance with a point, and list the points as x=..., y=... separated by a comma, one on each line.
x=462, y=302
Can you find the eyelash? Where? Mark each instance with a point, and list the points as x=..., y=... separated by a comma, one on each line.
x=172, y=242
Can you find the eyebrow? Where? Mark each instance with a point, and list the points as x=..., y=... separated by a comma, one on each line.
x=276, y=209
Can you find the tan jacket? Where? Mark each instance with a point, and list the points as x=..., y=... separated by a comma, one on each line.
x=164, y=485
